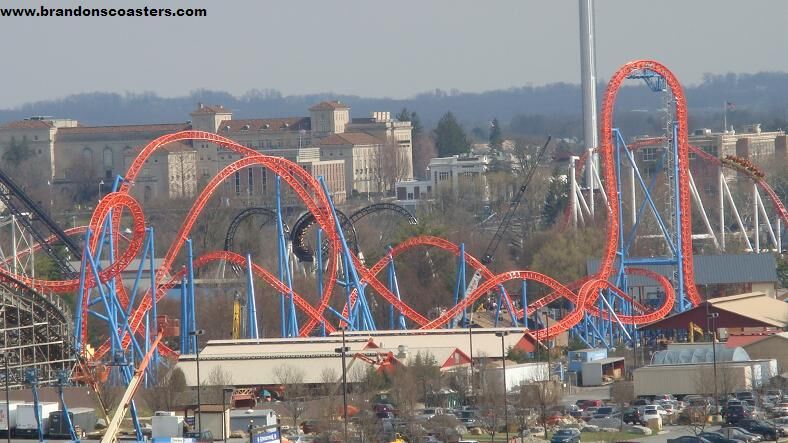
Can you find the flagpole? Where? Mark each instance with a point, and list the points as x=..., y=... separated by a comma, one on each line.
x=725, y=117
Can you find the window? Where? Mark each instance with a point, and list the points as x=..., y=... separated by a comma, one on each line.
x=87, y=155
x=237, y=183
x=249, y=181
x=649, y=154
x=108, y=158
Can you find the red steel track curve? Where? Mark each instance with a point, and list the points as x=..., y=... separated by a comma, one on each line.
x=308, y=189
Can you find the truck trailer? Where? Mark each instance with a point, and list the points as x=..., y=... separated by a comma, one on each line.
x=26, y=425
x=8, y=418
x=83, y=419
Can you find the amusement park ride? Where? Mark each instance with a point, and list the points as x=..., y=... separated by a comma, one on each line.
x=602, y=310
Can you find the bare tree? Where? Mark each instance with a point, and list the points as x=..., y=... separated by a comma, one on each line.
x=424, y=150
x=389, y=165
x=490, y=398
x=164, y=393
x=622, y=392
x=292, y=381
x=329, y=380
x=213, y=389
x=542, y=395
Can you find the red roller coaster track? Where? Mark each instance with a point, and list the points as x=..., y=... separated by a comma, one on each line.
x=583, y=294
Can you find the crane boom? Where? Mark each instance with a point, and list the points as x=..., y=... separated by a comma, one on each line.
x=111, y=434
x=489, y=253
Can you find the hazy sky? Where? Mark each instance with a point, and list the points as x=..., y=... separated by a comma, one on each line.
x=376, y=48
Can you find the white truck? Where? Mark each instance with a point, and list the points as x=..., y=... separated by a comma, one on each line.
x=166, y=425
x=8, y=418
x=26, y=424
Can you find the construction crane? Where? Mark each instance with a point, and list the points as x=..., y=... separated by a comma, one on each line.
x=489, y=253
x=236, y=330
x=111, y=434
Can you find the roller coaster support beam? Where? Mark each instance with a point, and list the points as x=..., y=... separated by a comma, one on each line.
x=251, y=303
x=572, y=193
x=319, y=272
x=62, y=380
x=31, y=378
x=83, y=296
x=192, y=324
x=184, y=338
x=524, y=301
x=683, y=302
x=721, y=204
x=153, y=292
x=394, y=288
x=460, y=286
x=285, y=269
x=349, y=268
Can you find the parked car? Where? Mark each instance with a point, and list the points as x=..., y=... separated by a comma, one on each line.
x=780, y=409
x=713, y=437
x=739, y=434
x=641, y=402
x=746, y=396
x=428, y=413
x=566, y=436
x=605, y=412
x=759, y=427
x=311, y=426
x=385, y=407
x=659, y=409
x=735, y=414
x=774, y=395
x=384, y=415
x=585, y=404
x=588, y=413
x=650, y=412
x=633, y=416
x=688, y=439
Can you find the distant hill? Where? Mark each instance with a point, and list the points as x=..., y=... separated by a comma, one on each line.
x=762, y=95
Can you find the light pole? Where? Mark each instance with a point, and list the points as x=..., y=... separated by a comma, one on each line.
x=224, y=409
x=101, y=183
x=196, y=334
x=711, y=318
x=7, y=401
x=547, y=344
x=503, y=334
x=470, y=343
x=343, y=351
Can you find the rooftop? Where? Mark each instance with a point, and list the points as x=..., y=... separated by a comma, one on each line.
x=350, y=138
x=329, y=105
x=162, y=127
x=266, y=124
x=28, y=124
x=210, y=109
x=754, y=309
x=712, y=269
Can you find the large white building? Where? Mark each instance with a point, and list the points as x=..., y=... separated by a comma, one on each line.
x=455, y=172
x=361, y=155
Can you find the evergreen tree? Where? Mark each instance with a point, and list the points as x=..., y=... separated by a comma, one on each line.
x=496, y=137
x=450, y=139
x=413, y=118
x=17, y=152
x=556, y=199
